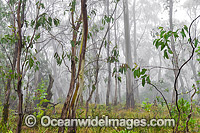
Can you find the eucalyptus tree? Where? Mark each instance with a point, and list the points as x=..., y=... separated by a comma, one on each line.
x=75, y=90
x=108, y=54
x=175, y=56
x=130, y=103
x=22, y=44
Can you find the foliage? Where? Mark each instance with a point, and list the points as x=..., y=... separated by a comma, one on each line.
x=137, y=73
x=164, y=39
x=184, y=107
x=101, y=111
x=41, y=93
x=40, y=99
x=146, y=105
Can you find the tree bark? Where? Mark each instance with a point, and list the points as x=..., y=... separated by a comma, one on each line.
x=136, y=90
x=109, y=64
x=175, y=56
x=8, y=85
x=129, y=87
x=119, y=91
x=72, y=99
x=116, y=83
x=49, y=93
x=19, y=80
x=72, y=83
x=37, y=79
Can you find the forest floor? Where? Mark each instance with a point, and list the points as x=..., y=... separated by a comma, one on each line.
x=117, y=112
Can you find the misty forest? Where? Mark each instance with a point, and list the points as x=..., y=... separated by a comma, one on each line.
x=125, y=59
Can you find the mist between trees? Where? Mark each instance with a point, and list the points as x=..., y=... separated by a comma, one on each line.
x=122, y=58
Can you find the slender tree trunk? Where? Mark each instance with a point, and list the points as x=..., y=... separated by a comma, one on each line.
x=182, y=87
x=109, y=64
x=27, y=103
x=175, y=56
x=136, y=90
x=94, y=86
x=195, y=76
x=97, y=100
x=90, y=84
x=72, y=99
x=37, y=79
x=19, y=80
x=49, y=93
x=66, y=106
x=8, y=85
x=6, y=103
x=119, y=83
x=116, y=86
x=119, y=91
x=72, y=84
x=129, y=87
x=96, y=64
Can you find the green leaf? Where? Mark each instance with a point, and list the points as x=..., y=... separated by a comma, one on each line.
x=183, y=33
x=175, y=35
x=169, y=33
x=157, y=44
x=137, y=73
x=56, y=21
x=189, y=40
x=93, y=87
x=12, y=76
x=143, y=71
x=31, y=62
x=103, y=22
x=161, y=28
x=32, y=23
x=101, y=28
x=169, y=50
x=34, y=58
x=105, y=44
x=186, y=28
x=148, y=80
x=58, y=59
x=166, y=36
x=161, y=33
x=37, y=37
x=162, y=46
x=50, y=21
x=28, y=39
x=119, y=78
x=45, y=101
x=42, y=5
x=93, y=12
x=143, y=82
x=124, y=69
x=144, y=76
x=114, y=70
x=154, y=41
x=10, y=71
x=165, y=54
x=72, y=43
x=196, y=42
